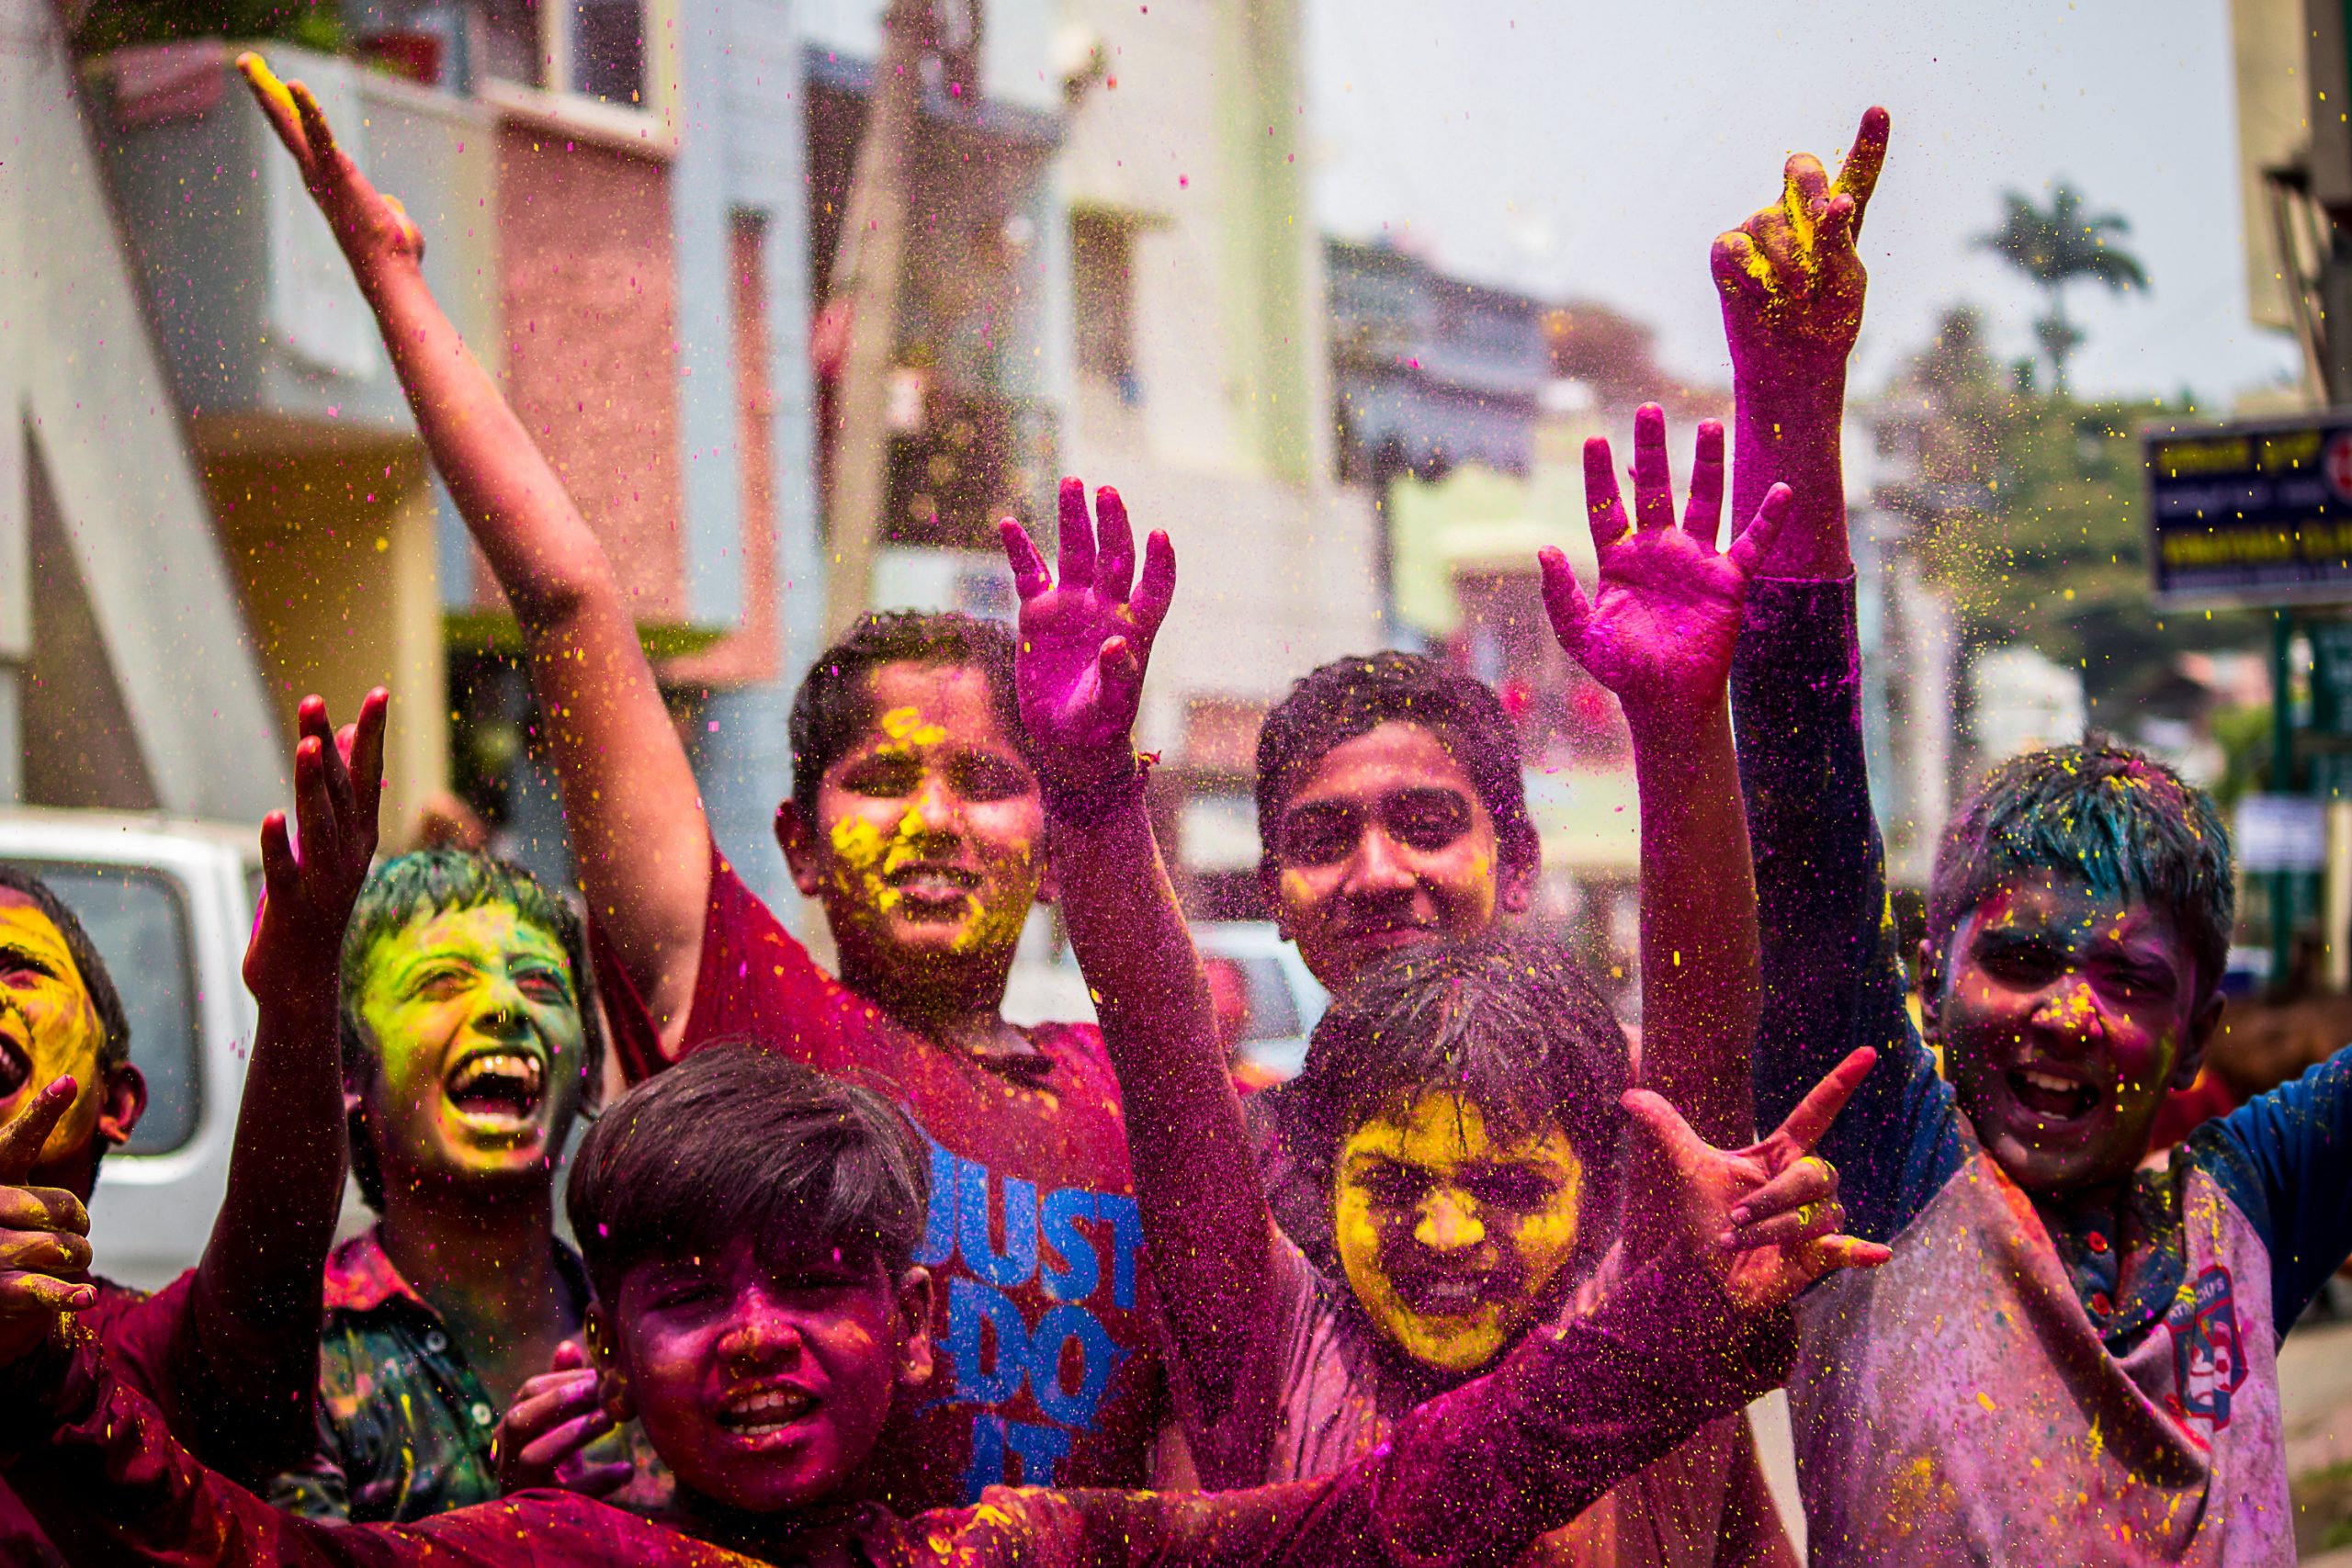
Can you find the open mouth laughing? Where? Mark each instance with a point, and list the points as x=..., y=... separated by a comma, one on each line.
x=2052, y=1093
x=498, y=1090
x=16, y=1065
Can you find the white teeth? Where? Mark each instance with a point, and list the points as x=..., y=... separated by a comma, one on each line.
x=524, y=1070
x=2045, y=1080
x=781, y=1407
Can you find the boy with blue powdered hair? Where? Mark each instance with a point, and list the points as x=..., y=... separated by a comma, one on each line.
x=2072, y=1353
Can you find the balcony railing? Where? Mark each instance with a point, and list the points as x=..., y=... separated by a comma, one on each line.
x=265, y=336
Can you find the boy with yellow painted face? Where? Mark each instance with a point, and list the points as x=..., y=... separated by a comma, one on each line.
x=1461, y=1105
x=229, y=1350
x=915, y=819
x=467, y=1046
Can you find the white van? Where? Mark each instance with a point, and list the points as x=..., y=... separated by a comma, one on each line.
x=170, y=903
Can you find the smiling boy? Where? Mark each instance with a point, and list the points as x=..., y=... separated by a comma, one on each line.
x=915, y=820
x=2072, y=1355
x=752, y=1226
x=466, y=1047
x=1391, y=812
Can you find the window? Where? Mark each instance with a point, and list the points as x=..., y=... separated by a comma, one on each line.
x=138, y=919
x=593, y=47
x=1102, y=256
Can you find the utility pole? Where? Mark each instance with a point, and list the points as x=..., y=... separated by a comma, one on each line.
x=869, y=259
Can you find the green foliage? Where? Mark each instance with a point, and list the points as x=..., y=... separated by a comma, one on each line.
x=117, y=24
x=2057, y=245
x=2040, y=532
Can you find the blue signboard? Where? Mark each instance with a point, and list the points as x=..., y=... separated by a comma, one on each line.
x=2258, y=513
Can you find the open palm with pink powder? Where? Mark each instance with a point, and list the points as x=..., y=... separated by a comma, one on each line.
x=1659, y=629
x=1086, y=639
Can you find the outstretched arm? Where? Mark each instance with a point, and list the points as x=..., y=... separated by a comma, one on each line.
x=255, y=1299
x=1792, y=284
x=630, y=796
x=1792, y=281
x=1084, y=643
x=1660, y=635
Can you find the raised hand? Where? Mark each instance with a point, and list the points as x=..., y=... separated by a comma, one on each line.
x=1765, y=1220
x=297, y=944
x=1791, y=278
x=555, y=1416
x=373, y=229
x=1660, y=632
x=44, y=1232
x=1085, y=641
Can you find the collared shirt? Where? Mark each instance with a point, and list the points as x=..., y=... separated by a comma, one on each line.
x=405, y=1424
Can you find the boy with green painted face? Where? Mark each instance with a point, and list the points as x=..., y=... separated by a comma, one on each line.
x=227, y=1351
x=466, y=1053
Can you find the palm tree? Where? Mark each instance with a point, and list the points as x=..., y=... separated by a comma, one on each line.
x=2061, y=244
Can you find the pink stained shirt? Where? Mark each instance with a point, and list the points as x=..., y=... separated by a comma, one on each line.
x=1049, y=1370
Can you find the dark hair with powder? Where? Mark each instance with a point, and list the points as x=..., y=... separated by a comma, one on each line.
x=1353, y=697
x=835, y=706
x=114, y=1023
x=412, y=887
x=1509, y=1022
x=738, y=1141
x=2114, y=817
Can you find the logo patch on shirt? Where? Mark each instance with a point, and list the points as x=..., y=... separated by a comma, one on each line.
x=2208, y=1360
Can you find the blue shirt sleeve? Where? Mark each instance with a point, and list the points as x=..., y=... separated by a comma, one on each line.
x=1833, y=978
x=2285, y=1159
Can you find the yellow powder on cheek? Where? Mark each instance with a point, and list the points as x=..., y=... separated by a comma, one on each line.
x=995, y=925
x=1461, y=1343
x=1438, y=1135
x=1482, y=879
x=860, y=852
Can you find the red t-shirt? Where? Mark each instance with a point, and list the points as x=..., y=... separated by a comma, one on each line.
x=1047, y=1370
x=185, y=1360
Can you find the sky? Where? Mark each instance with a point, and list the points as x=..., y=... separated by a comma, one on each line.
x=1580, y=150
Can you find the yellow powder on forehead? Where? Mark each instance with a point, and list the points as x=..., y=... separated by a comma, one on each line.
x=906, y=727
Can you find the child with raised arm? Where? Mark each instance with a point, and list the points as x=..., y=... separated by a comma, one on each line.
x=2072, y=1356
x=228, y=1353
x=1458, y=1111
x=750, y=1225
x=469, y=1047
x=914, y=817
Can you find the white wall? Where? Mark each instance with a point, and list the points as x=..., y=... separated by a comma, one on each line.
x=85, y=396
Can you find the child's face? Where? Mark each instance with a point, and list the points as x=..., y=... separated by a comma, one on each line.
x=1451, y=1238
x=927, y=845
x=764, y=1380
x=476, y=1022
x=1386, y=845
x=2064, y=1019
x=49, y=1026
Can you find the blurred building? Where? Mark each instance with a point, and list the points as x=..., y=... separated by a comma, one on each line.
x=1200, y=386
x=125, y=679
x=607, y=265
x=633, y=211
x=2291, y=61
